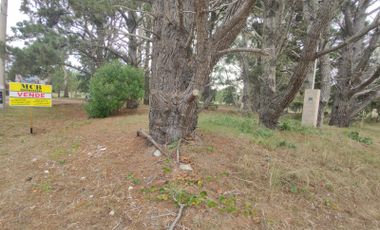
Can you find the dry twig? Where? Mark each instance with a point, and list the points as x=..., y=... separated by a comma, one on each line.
x=149, y=138
x=172, y=226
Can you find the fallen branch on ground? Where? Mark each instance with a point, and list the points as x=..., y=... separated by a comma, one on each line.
x=149, y=138
x=247, y=181
x=164, y=215
x=181, y=207
x=244, y=180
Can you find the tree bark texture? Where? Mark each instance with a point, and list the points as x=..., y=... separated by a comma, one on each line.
x=356, y=73
x=325, y=69
x=326, y=78
x=245, y=101
x=310, y=11
x=66, y=83
x=272, y=110
x=147, y=58
x=185, y=51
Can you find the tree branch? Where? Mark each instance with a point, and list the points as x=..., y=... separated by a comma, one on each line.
x=373, y=95
x=367, y=82
x=352, y=39
x=362, y=93
x=260, y=52
x=134, y=10
x=77, y=68
x=181, y=207
x=138, y=36
x=236, y=18
x=149, y=138
x=223, y=6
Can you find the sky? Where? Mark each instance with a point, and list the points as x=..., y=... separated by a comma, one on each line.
x=14, y=14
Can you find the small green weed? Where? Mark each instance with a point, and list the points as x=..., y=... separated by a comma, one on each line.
x=75, y=146
x=293, y=188
x=58, y=153
x=44, y=186
x=356, y=137
x=61, y=162
x=286, y=144
x=228, y=203
x=263, y=132
x=179, y=195
x=292, y=125
x=133, y=179
x=173, y=145
x=210, y=149
x=166, y=169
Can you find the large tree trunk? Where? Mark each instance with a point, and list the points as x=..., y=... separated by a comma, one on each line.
x=340, y=114
x=325, y=69
x=179, y=73
x=355, y=75
x=146, y=73
x=275, y=106
x=271, y=26
x=310, y=11
x=171, y=116
x=249, y=101
x=132, y=44
x=255, y=86
x=66, y=83
x=326, y=77
x=146, y=87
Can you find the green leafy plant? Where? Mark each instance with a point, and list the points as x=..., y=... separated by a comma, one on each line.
x=166, y=169
x=133, y=179
x=356, y=137
x=111, y=86
x=228, y=203
x=286, y=144
x=293, y=125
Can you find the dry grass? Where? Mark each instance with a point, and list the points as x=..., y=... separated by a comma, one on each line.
x=76, y=173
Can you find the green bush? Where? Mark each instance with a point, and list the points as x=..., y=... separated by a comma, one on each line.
x=112, y=85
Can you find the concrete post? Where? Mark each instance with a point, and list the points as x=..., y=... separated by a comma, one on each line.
x=310, y=107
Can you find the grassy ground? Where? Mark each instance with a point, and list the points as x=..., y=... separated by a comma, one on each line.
x=76, y=173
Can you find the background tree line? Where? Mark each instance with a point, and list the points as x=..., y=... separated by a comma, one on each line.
x=280, y=48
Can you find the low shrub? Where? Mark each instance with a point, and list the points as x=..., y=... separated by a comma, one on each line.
x=112, y=85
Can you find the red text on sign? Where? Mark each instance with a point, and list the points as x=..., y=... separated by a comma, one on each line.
x=30, y=94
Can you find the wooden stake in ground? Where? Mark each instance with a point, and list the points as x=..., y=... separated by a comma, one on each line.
x=149, y=138
x=31, y=120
